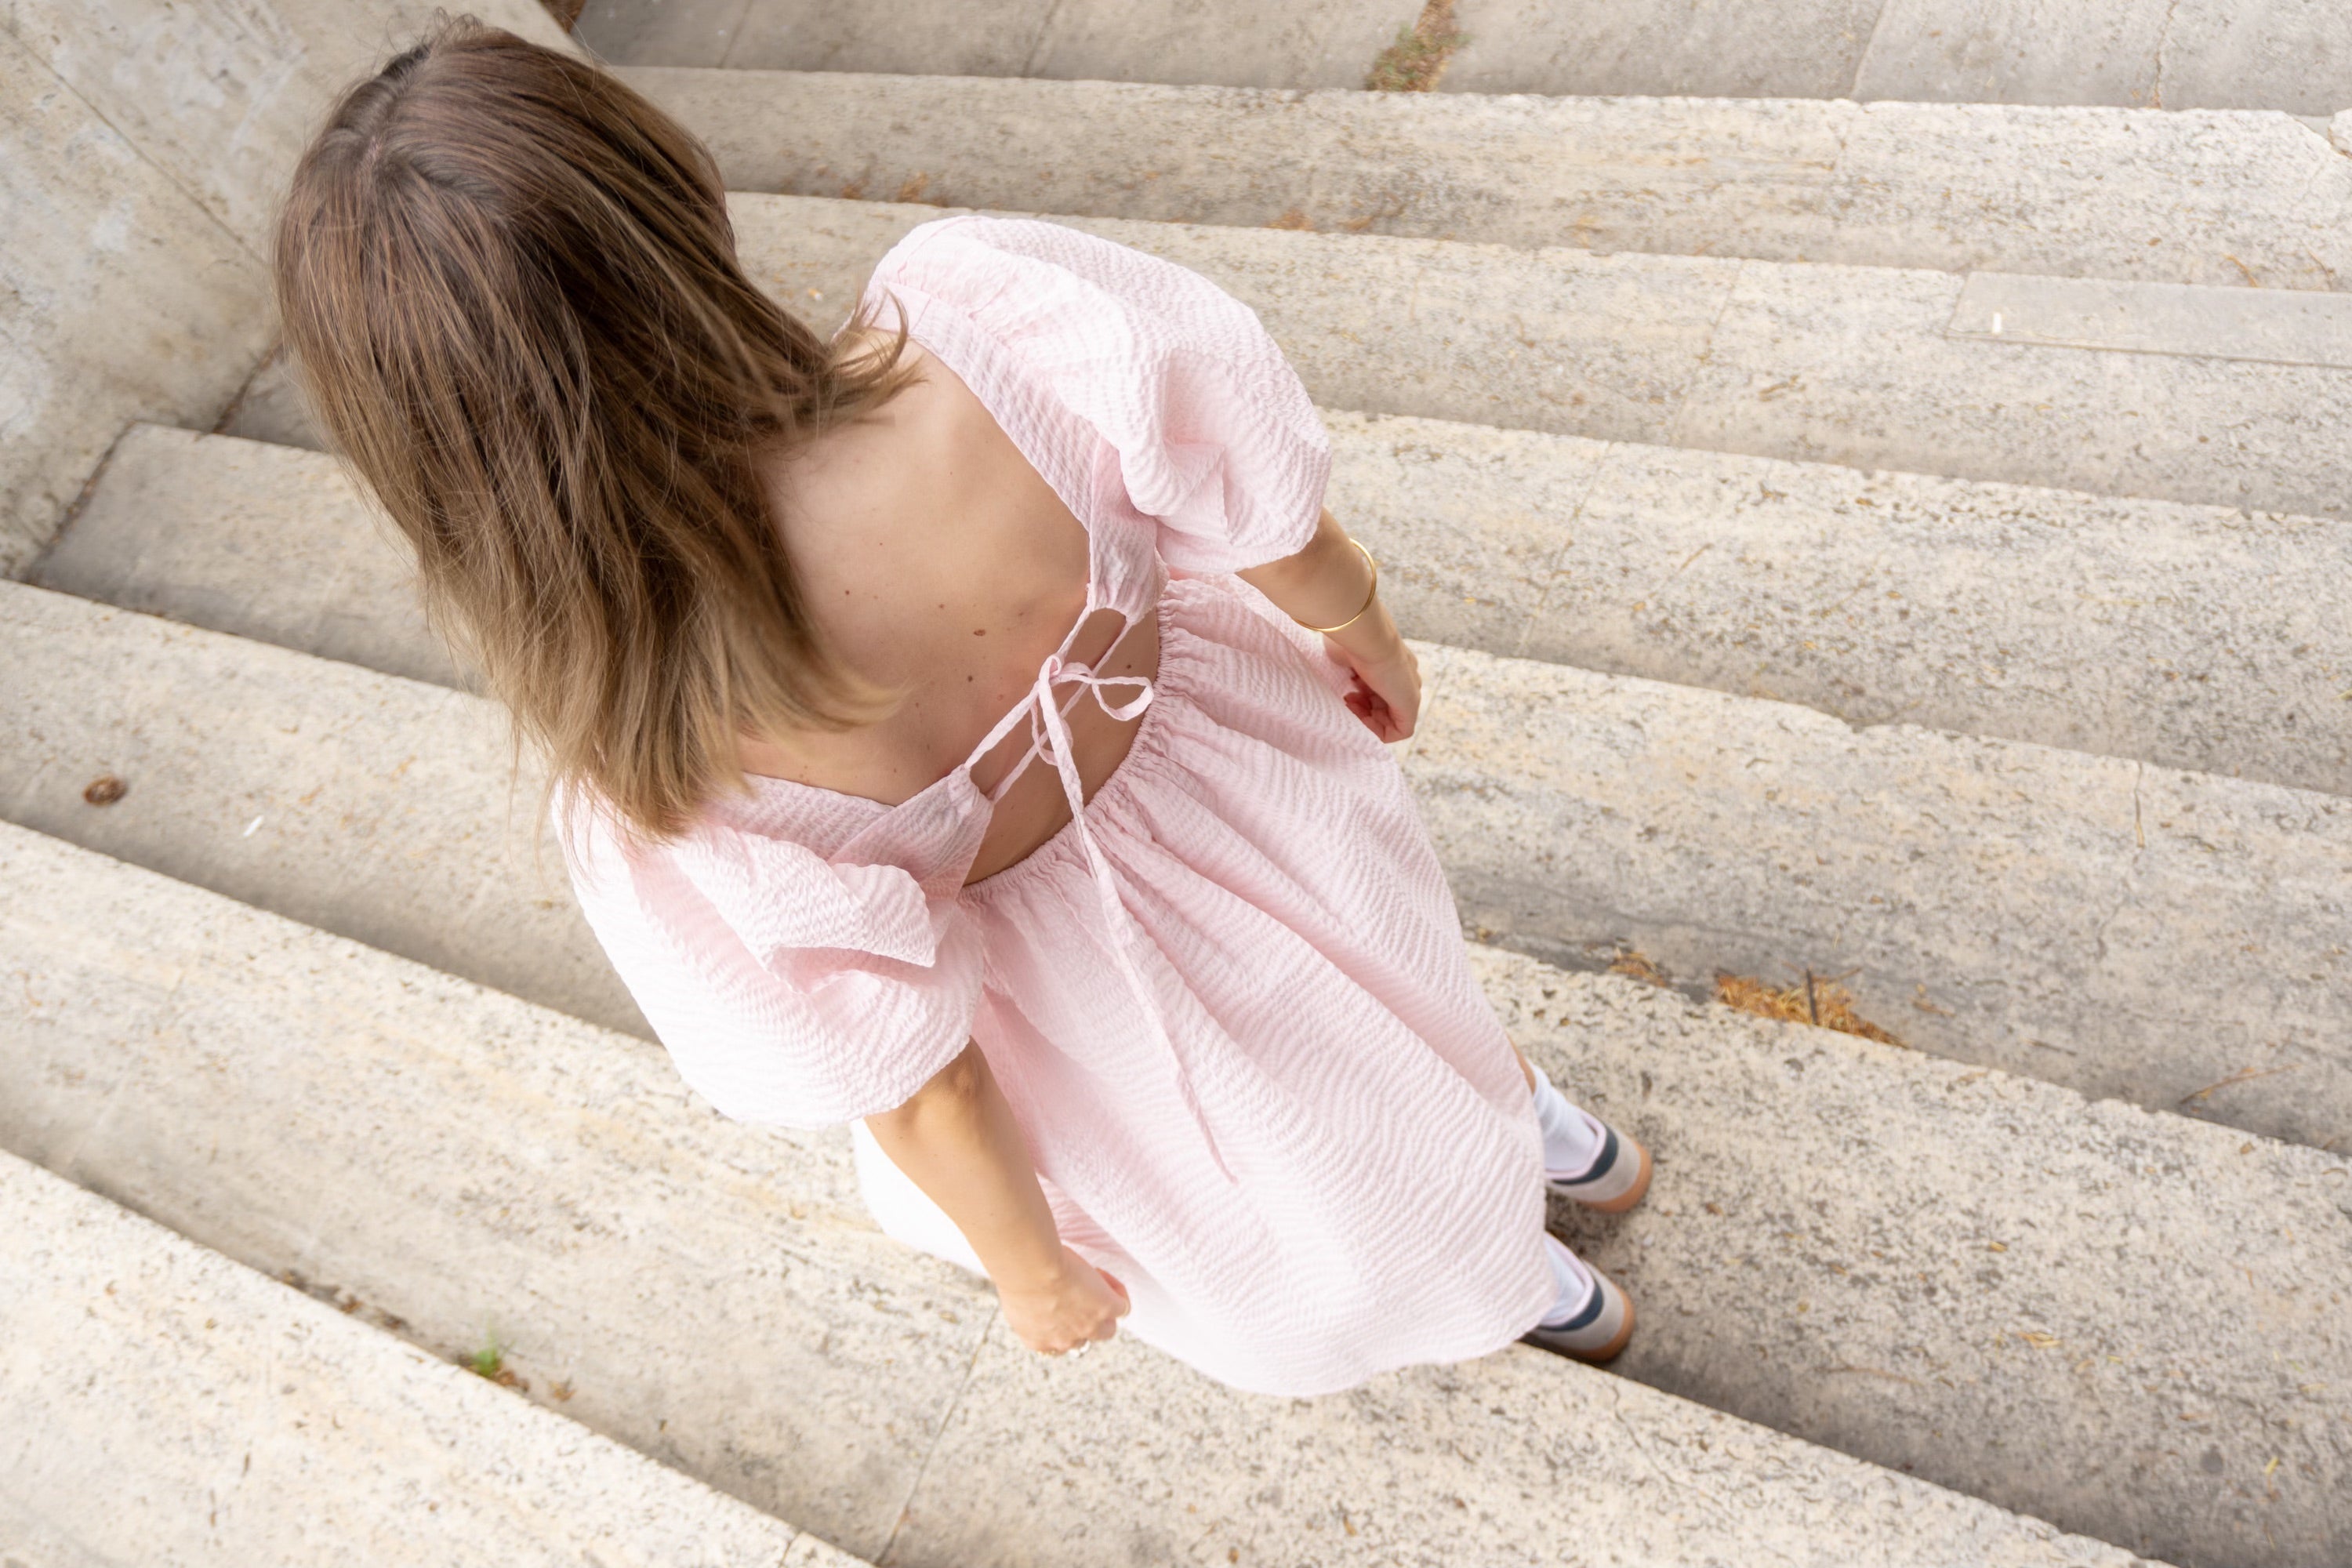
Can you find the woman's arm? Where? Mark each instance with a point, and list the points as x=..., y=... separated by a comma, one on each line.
x=1324, y=585
x=957, y=1140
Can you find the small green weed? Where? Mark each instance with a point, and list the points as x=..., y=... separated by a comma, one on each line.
x=489, y=1364
x=1417, y=58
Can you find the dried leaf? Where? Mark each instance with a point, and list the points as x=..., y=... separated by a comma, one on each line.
x=1829, y=1004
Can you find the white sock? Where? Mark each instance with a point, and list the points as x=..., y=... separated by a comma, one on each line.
x=1571, y=1138
x=1575, y=1283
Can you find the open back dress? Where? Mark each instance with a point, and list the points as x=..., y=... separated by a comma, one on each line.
x=1228, y=1001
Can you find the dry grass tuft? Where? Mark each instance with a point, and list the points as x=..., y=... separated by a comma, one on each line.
x=1417, y=58
x=1815, y=1000
x=1635, y=967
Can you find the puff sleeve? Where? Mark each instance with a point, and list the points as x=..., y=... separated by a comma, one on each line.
x=1214, y=435
x=788, y=989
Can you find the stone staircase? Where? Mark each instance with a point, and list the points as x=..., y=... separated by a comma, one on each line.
x=1842, y=543
x=308, y=1436
x=2291, y=54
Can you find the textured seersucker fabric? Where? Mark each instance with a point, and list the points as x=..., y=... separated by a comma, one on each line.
x=1261, y=1086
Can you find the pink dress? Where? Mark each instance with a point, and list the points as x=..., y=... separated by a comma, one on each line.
x=1229, y=1002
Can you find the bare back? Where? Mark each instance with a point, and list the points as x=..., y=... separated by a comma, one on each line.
x=941, y=564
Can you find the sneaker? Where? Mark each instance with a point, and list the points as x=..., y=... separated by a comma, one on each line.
x=1598, y=1331
x=1618, y=1179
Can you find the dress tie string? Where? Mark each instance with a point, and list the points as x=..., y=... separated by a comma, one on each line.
x=1050, y=739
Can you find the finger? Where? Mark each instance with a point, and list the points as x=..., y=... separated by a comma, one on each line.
x=1113, y=1281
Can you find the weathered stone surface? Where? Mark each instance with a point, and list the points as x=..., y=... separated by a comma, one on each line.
x=272, y=406
x=2291, y=55
x=1597, y=345
x=2193, y=637
x=121, y=299
x=2020, y=51
x=2207, y=197
x=1848, y=365
x=383, y=809
x=1888, y=1252
x=2260, y=326
x=1851, y=365
x=2178, y=940
x=221, y=98
x=966, y=37
x=1514, y=1461
x=2175, y=196
x=709, y=1293
x=145, y=146
x=265, y=541
x=814, y=256
x=2299, y=50
x=1305, y=43
x=659, y=32
x=1710, y=48
x=167, y=1405
x=2123, y=929
x=1854, y=366
x=1325, y=43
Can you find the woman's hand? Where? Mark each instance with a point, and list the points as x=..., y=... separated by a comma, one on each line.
x=957, y=1140
x=1332, y=582
x=1385, y=693
x=1078, y=1305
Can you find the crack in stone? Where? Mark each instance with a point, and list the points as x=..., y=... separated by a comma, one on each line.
x=138, y=150
x=1633, y=1440
x=947, y=1419
x=1559, y=558
x=2131, y=868
x=2163, y=47
x=1037, y=43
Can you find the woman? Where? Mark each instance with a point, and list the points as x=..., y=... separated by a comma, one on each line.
x=969, y=726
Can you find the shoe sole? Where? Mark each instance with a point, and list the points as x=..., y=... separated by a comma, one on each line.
x=1627, y=1199
x=1611, y=1350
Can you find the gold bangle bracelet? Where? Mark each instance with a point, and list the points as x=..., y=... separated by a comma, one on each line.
x=1369, y=593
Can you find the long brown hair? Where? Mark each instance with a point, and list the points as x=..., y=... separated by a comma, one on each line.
x=509, y=285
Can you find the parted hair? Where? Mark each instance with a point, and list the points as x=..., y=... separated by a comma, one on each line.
x=509, y=289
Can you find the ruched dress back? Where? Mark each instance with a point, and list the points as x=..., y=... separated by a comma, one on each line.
x=1229, y=1002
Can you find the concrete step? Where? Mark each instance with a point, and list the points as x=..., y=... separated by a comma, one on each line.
x=2175, y=939
x=2127, y=1322
x=2176, y=392
x=265, y=541
x=165, y=1405
x=2204, y=394
x=2214, y=196
x=2178, y=940
x=2177, y=54
x=2140, y=629
x=379, y=808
